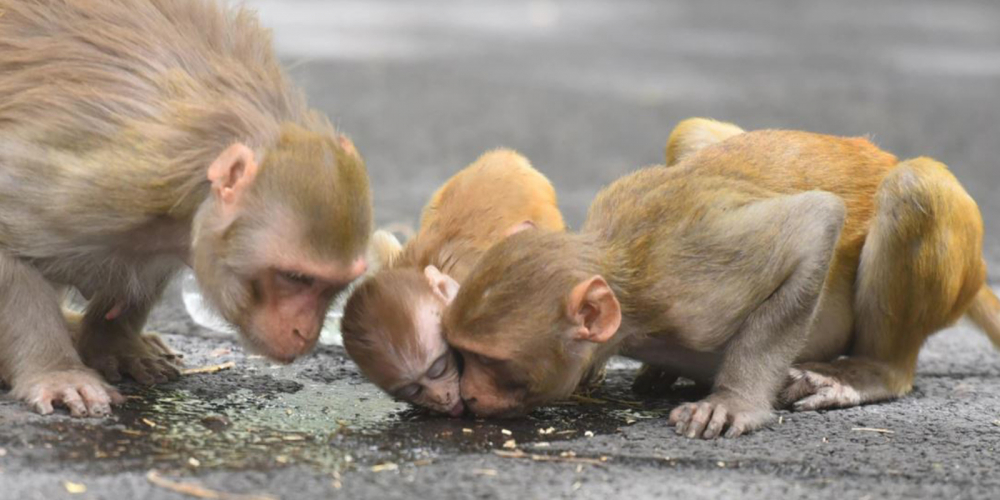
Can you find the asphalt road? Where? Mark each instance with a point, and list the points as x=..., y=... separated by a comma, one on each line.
x=588, y=90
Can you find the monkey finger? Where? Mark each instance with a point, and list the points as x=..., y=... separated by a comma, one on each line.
x=168, y=370
x=108, y=368
x=735, y=430
x=700, y=418
x=115, y=396
x=135, y=369
x=715, y=426
x=153, y=369
x=97, y=400
x=159, y=346
x=835, y=396
x=42, y=403
x=680, y=416
x=71, y=399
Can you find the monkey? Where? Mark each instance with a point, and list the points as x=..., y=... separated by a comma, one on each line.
x=391, y=323
x=140, y=136
x=767, y=249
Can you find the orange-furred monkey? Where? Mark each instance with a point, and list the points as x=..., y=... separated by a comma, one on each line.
x=763, y=250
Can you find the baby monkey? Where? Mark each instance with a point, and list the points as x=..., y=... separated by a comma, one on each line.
x=392, y=322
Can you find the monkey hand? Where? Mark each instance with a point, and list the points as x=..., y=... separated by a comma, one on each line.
x=80, y=390
x=707, y=418
x=815, y=386
x=145, y=358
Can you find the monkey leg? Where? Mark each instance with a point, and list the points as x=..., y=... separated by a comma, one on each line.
x=693, y=134
x=790, y=265
x=114, y=345
x=37, y=358
x=920, y=268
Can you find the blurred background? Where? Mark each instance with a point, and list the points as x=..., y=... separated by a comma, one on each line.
x=590, y=89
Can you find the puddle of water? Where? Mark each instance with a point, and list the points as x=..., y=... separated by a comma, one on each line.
x=329, y=427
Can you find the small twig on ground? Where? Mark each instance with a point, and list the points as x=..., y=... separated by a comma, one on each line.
x=872, y=429
x=624, y=402
x=550, y=458
x=587, y=399
x=196, y=490
x=209, y=369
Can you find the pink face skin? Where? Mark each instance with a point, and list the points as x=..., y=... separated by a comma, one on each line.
x=433, y=380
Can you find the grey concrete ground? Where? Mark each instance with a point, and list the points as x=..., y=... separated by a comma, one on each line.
x=588, y=90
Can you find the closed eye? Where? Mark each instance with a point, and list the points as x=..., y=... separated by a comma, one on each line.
x=440, y=367
x=296, y=278
x=483, y=360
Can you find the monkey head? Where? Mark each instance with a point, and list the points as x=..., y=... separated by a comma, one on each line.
x=528, y=321
x=275, y=242
x=392, y=330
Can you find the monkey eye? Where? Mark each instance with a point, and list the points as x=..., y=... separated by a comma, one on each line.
x=440, y=366
x=483, y=360
x=295, y=278
x=409, y=392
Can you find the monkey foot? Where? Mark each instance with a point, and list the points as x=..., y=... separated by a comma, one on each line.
x=653, y=381
x=80, y=390
x=810, y=390
x=707, y=418
x=145, y=358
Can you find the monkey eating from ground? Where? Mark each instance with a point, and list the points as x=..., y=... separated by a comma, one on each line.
x=391, y=324
x=136, y=137
x=766, y=249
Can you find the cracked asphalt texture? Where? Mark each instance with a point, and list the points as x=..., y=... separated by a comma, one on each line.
x=588, y=90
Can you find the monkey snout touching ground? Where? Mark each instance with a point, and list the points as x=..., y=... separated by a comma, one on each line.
x=392, y=322
x=141, y=139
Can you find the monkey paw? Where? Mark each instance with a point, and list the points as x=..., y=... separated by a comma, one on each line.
x=707, y=418
x=145, y=358
x=653, y=381
x=811, y=390
x=80, y=390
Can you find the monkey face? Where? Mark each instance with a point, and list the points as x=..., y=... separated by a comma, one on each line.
x=437, y=389
x=500, y=379
x=288, y=311
x=392, y=330
x=527, y=324
x=276, y=298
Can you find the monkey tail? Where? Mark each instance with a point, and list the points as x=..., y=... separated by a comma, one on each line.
x=985, y=313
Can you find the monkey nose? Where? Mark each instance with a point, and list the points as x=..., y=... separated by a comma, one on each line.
x=457, y=410
x=303, y=336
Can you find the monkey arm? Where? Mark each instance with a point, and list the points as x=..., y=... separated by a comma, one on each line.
x=113, y=344
x=796, y=239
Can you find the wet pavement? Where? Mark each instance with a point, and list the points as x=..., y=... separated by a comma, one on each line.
x=588, y=91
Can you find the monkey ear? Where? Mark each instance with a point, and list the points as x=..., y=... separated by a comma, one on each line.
x=594, y=310
x=232, y=172
x=444, y=286
x=520, y=226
